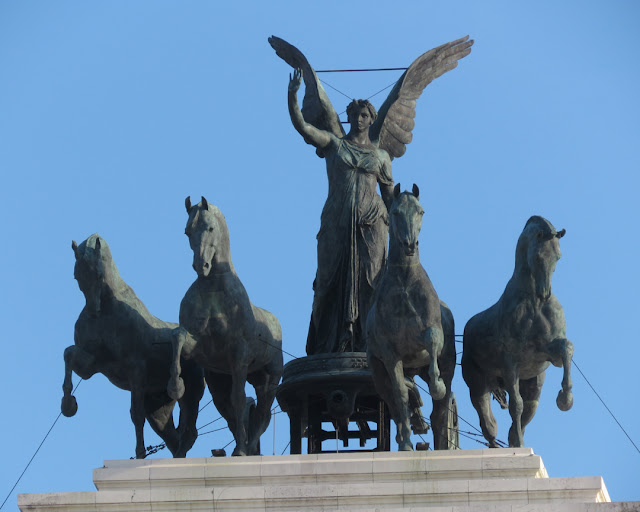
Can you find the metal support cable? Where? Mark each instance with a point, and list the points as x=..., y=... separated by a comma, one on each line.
x=605, y=406
x=37, y=450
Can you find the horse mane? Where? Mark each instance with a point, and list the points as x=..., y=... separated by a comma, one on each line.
x=120, y=290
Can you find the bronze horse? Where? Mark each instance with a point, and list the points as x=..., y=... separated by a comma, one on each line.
x=233, y=340
x=117, y=336
x=410, y=331
x=509, y=346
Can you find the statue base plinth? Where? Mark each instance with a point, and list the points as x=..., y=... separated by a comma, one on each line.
x=434, y=481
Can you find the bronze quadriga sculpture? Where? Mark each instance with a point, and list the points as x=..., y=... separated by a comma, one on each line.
x=409, y=330
x=353, y=233
x=508, y=347
x=233, y=340
x=117, y=336
x=352, y=241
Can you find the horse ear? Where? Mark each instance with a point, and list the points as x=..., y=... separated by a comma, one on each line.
x=561, y=233
x=74, y=246
x=416, y=191
x=205, y=204
x=396, y=190
x=187, y=204
x=98, y=244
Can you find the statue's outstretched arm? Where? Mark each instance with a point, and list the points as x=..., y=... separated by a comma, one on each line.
x=316, y=107
x=312, y=135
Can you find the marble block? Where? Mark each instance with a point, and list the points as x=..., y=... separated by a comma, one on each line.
x=495, y=480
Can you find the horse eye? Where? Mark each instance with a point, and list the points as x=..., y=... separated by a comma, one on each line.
x=210, y=230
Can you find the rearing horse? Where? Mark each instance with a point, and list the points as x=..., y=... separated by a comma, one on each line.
x=410, y=331
x=117, y=336
x=509, y=346
x=233, y=340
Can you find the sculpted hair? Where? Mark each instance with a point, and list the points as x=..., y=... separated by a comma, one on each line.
x=358, y=104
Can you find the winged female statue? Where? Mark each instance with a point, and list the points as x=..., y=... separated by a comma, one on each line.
x=352, y=242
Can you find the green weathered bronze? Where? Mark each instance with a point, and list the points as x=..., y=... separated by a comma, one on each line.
x=233, y=340
x=354, y=224
x=117, y=336
x=508, y=347
x=410, y=331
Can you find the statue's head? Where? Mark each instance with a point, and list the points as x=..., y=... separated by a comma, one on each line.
x=356, y=107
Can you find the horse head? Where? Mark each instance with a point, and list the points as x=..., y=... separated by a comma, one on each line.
x=406, y=219
x=89, y=270
x=539, y=249
x=208, y=236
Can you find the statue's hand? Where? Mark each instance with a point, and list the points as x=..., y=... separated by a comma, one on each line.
x=295, y=80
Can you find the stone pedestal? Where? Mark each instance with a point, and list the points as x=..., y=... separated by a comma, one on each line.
x=435, y=481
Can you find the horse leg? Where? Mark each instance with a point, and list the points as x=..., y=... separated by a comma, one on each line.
x=440, y=416
x=265, y=384
x=434, y=338
x=181, y=342
x=481, y=399
x=159, y=413
x=84, y=364
x=260, y=416
x=238, y=400
x=229, y=398
x=220, y=388
x=400, y=395
x=382, y=382
x=530, y=392
x=516, y=406
x=189, y=405
x=137, y=411
x=560, y=352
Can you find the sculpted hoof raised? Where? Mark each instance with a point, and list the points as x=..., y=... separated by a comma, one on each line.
x=117, y=336
x=508, y=347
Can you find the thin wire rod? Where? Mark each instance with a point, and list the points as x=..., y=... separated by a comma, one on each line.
x=36, y=452
x=337, y=90
x=358, y=70
x=605, y=406
x=205, y=406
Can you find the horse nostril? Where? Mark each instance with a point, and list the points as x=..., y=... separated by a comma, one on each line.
x=206, y=265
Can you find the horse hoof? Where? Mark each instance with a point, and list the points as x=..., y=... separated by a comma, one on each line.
x=405, y=446
x=438, y=390
x=69, y=406
x=564, y=400
x=175, y=389
x=237, y=452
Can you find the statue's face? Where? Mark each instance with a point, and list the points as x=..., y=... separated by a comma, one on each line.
x=360, y=119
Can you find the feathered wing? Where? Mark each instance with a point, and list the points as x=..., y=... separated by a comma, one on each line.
x=392, y=129
x=317, y=110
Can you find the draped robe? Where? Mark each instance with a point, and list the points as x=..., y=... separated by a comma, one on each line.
x=352, y=246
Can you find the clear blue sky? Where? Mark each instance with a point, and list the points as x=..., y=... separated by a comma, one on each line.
x=111, y=113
